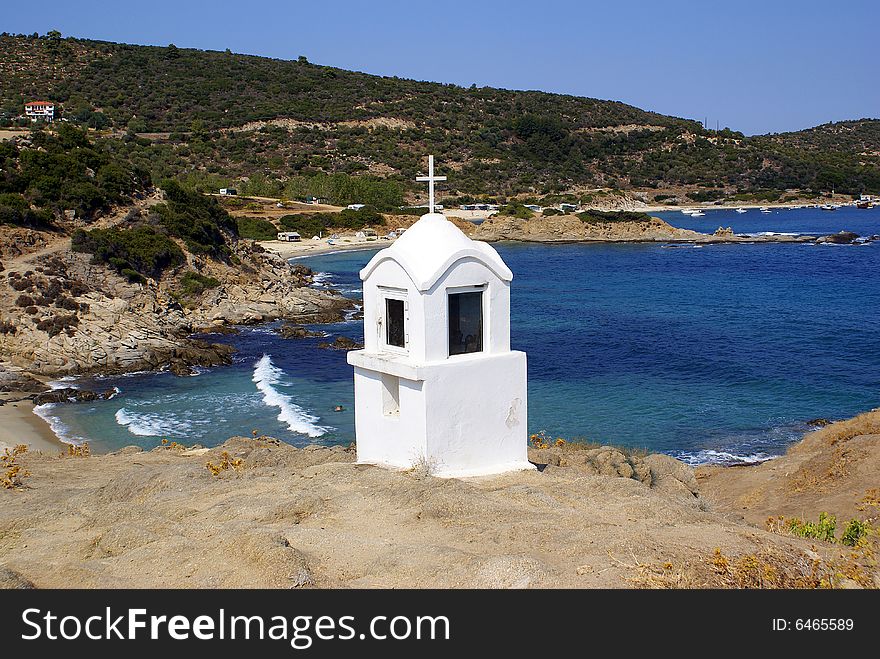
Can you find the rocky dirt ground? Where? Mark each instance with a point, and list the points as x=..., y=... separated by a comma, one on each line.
x=256, y=512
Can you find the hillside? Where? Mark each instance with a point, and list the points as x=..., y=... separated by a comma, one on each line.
x=215, y=117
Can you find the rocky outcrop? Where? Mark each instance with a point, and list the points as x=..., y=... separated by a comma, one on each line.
x=840, y=238
x=60, y=314
x=296, y=332
x=71, y=395
x=569, y=228
x=342, y=343
x=655, y=470
x=16, y=379
x=831, y=470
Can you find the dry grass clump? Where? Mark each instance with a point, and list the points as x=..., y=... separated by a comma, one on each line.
x=765, y=569
x=11, y=472
x=77, y=451
x=226, y=462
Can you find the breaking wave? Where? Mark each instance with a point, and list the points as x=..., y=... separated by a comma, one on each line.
x=712, y=457
x=146, y=424
x=266, y=377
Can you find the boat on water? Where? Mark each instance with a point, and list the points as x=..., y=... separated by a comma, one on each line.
x=764, y=209
x=741, y=210
x=697, y=214
x=864, y=204
x=828, y=207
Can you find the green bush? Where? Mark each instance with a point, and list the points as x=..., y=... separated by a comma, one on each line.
x=516, y=210
x=14, y=209
x=854, y=532
x=822, y=530
x=598, y=217
x=343, y=189
x=254, y=228
x=143, y=250
x=200, y=221
x=193, y=284
x=311, y=224
x=63, y=171
x=550, y=212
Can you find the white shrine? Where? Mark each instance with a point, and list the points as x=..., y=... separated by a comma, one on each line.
x=436, y=382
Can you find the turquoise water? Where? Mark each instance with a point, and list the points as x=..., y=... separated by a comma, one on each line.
x=713, y=354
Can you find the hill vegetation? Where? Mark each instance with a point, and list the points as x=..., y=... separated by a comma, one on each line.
x=293, y=128
x=59, y=172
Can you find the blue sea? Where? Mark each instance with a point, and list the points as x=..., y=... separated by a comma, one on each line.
x=716, y=353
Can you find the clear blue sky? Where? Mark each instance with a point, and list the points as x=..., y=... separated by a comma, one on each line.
x=754, y=66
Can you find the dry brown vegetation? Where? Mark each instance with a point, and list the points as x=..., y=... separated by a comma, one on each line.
x=11, y=471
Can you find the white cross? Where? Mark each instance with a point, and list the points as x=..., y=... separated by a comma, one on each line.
x=430, y=178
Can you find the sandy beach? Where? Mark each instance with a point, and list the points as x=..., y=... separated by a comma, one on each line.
x=313, y=247
x=19, y=425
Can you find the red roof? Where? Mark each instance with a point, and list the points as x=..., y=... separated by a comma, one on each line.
x=39, y=103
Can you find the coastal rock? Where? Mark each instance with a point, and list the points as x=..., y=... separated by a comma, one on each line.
x=18, y=380
x=296, y=332
x=71, y=395
x=342, y=343
x=569, y=228
x=724, y=232
x=840, y=238
x=657, y=471
x=112, y=325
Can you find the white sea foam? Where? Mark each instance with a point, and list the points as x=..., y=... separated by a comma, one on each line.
x=147, y=424
x=321, y=279
x=59, y=429
x=713, y=457
x=266, y=376
x=768, y=233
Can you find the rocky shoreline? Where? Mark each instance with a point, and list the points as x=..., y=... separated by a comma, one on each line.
x=563, y=229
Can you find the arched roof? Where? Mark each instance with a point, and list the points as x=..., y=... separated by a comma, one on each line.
x=429, y=248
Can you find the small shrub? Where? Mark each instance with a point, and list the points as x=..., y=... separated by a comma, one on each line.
x=32, y=310
x=12, y=473
x=7, y=328
x=56, y=324
x=193, y=284
x=226, y=462
x=516, y=210
x=601, y=217
x=24, y=301
x=133, y=276
x=254, y=228
x=78, y=451
x=77, y=288
x=20, y=283
x=64, y=302
x=854, y=533
x=824, y=529
x=173, y=446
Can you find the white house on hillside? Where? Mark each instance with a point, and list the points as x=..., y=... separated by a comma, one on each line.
x=44, y=110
